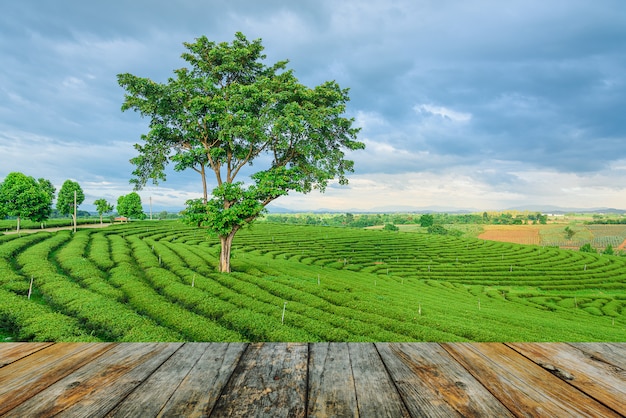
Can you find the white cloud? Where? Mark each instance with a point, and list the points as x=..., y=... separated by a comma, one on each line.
x=443, y=112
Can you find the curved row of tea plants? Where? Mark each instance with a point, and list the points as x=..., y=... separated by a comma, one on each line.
x=158, y=281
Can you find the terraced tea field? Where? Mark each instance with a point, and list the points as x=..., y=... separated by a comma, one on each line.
x=157, y=281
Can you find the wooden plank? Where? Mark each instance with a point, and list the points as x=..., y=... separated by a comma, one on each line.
x=96, y=388
x=602, y=381
x=376, y=394
x=270, y=380
x=149, y=398
x=10, y=352
x=522, y=386
x=23, y=379
x=610, y=353
x=433, y=384
x=331, y=385
x=198, y=392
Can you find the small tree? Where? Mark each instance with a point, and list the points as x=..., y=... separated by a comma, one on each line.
x=437, y=229
x=23, y=197
x=569, y=232
x=70, y=197
x=45, y=211
x=130, y=206
x=587, y=248
x=390, y=227
x=102, y=206
x=427, y=220
x=608, y=250
x=162, y=215
x=228, y=111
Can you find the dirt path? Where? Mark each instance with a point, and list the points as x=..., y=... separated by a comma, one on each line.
x=59, y=228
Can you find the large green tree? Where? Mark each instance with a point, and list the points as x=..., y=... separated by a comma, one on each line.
x=130, y=206
x=228, y=110
x=26, y=198
x=70, y=197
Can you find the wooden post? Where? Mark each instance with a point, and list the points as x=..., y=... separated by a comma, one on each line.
x=30, y=288
x=282, y=320
x=75, y=214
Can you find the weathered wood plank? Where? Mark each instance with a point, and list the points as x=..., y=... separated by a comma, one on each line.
x=198, y=392
x=23, y=379
x=433, y=384
x=376, y=394
x=523, y=387
x=602, y=381
x=270, y=380
x=331, y=385
x=10, y=352
x=99, y=386
x=611, y=353
x=148, y=398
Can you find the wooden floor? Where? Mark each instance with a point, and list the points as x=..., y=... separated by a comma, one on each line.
x=320, y=379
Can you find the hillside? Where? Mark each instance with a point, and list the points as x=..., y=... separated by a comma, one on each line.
x=156, y=281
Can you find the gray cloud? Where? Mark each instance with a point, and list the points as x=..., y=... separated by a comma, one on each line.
x=440, y=88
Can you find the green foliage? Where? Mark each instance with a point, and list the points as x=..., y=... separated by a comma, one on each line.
x=390, y=227
x=427, y=220
x=102, y=206
x=227, y=110
x=24, y=197
x=437, y=229
x=587, y=248
x=608, y=250
x=130, y=206
x=569, y=232
x=157, y=281
x=65, y=199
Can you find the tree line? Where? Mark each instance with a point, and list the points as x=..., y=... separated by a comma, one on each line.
x=425, y=220
x=24, y=197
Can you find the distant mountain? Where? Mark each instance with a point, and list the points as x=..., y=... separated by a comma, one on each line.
x=563, y=210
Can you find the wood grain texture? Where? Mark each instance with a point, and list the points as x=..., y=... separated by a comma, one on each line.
x=332, y=391
x=375, y=392
x=602, y=381
x=610, y=353
x=317, y=379
x=198, y=392
x=24, y=379
x=270, y=380
x=525, y=388
x=433, y=384
x=149, y=398
x=96, y=388
x=10, y=352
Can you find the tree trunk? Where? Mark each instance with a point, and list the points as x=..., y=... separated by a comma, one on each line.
x=18, y=225
x=226, y=242
x=205, y=193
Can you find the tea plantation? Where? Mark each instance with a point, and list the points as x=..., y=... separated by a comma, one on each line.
x=157, y=281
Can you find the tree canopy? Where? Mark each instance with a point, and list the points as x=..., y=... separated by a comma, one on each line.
x=24, y=197
x=65, y=200
x=130, y=206
x=227, y=111
x=102, y=206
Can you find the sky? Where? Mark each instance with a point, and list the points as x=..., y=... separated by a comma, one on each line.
x=479, y=105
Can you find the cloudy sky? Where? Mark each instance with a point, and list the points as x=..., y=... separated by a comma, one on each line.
x=482, y=104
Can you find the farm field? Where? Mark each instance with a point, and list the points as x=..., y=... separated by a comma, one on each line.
x=599, y=236
x=157, y=281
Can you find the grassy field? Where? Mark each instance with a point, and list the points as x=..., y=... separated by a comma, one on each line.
x=157, y=281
